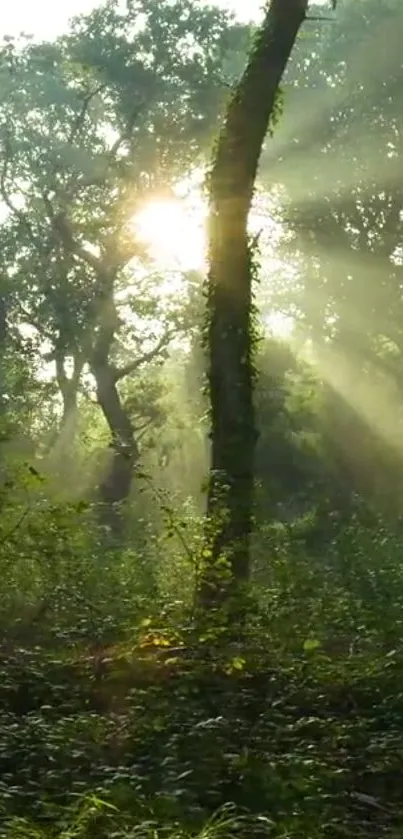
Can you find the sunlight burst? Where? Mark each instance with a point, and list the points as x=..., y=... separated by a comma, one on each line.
x=174, y=230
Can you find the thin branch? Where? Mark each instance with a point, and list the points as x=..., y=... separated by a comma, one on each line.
x=13, y=530
x=125, y=135
x=141, y=429
x=165, y=507
x=78, y=124
x=131, y=366
x=111, y=153
x=62, y=228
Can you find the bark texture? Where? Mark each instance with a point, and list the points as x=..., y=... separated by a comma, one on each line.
x=230, y=330
x=115, y=486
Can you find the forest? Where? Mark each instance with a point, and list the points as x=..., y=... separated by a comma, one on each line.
x=201, y=423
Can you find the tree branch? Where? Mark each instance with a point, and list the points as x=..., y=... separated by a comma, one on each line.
x=112, y=152
x=126, y=134
x=131, y=366
x=62, y=228
x=78, y=124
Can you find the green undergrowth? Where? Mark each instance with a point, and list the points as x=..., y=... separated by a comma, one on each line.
x=93, y=816
x=303, y=743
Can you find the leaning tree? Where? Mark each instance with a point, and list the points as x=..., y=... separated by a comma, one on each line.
x=230, y=328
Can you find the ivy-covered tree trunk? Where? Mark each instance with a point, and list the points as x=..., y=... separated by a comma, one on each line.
x=230, y=332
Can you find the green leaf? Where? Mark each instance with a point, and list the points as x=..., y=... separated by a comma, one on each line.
x=311, y=644
x=238, y=663
x=145, y=622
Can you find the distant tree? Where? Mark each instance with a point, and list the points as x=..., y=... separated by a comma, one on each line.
x=344, y=214
x=91, y=126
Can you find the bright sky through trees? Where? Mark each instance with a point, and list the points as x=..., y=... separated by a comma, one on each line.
x=46, y=20
x=175, y=231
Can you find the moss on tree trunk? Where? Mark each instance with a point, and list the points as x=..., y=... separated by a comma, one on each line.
x=230, y=333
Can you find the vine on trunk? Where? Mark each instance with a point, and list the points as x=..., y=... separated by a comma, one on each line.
x=230, y=332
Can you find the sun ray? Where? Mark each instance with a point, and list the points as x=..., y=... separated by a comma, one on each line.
x=374, y=398
x=174, y=231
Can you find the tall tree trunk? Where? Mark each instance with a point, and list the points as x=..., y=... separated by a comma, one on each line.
x=115, y=487
x=230, y=322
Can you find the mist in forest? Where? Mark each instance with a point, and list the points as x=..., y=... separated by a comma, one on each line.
x=129, y=703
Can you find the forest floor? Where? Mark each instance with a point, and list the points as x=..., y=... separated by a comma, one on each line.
x=144, y=738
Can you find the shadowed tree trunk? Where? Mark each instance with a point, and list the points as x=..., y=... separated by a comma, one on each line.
x=97, y=350
x=115, y=487
x=230, y=311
